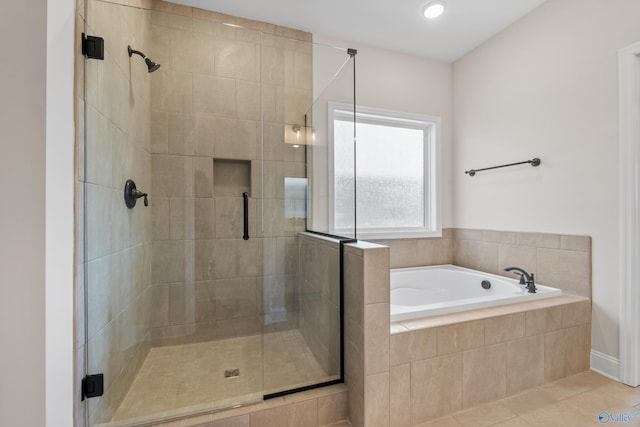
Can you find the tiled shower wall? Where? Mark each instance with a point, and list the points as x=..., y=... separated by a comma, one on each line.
x=208, y=147
x=319, y=260
x=558, y=260
x=118, y=239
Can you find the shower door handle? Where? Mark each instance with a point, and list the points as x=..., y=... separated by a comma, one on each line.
x=245, y=202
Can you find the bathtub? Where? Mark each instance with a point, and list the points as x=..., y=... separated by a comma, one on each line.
x=428, y=291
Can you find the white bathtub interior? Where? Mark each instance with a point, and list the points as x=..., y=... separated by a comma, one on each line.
x=442, y=289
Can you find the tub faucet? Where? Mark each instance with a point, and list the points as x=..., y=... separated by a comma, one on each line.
x=526, y=279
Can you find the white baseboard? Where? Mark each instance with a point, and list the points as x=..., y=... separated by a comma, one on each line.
x=605, y=365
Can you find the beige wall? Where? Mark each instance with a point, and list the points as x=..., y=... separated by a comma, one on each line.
x=22, y=190
x=547, y=87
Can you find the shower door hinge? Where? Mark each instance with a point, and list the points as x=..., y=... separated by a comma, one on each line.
x=92, y=386
x=92, y=47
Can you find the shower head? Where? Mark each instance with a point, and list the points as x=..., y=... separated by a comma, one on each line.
x=151, y=66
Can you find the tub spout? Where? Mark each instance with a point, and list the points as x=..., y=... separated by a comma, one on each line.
x=526, y=279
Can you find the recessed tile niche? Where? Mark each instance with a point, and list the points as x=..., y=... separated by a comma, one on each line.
x=231, y=178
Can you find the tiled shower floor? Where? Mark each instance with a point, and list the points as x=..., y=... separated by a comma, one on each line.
x=192, y=375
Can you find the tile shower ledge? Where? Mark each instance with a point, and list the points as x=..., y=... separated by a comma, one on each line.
x=484, y=313
x=320, y=237
x=195, y=416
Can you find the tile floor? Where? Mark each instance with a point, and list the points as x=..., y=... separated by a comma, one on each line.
x=174, y=379
x=574, y=401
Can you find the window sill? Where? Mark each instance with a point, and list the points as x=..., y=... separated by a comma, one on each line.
x=390, y=235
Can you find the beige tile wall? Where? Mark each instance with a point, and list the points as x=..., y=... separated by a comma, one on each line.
x=208, y=147
x=558, y=260
x=366, y=320
x=117, y=261
x=319, y=272
x=420, y=251
x=561, y=261
x=315, y=408
x=437, y=370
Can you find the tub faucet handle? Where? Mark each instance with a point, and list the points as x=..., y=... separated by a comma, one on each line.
x=526, y=279
x=532, y=285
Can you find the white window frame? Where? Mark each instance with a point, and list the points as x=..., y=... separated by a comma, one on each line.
x=432, y=175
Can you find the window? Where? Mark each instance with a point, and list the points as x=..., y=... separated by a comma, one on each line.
x=396, y=183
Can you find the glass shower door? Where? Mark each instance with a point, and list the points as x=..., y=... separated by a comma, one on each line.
x=172, y=287
x=117, y=239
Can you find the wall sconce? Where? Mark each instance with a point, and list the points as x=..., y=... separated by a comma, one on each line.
x=296, y=135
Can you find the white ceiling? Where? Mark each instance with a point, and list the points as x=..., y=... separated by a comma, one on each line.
x=390, y=24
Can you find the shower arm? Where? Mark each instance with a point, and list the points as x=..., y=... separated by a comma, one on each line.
x=137, y=52
x=151, y=65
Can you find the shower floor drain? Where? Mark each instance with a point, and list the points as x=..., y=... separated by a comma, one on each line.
x=232, y=373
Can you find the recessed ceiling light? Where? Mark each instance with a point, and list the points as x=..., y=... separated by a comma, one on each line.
x=433, y=9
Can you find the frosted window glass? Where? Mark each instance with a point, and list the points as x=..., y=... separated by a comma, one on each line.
x=343, y=175
x=390, y=176
x=295, y=194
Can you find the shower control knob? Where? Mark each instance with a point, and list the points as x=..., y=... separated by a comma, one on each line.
x=132, y=194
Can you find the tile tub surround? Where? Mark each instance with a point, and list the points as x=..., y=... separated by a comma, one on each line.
x=448, y=363
x=426, y=368
x=561, y=261
x=420, y=251
x=366, y=322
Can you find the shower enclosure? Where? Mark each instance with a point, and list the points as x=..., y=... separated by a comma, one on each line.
x=220, y=291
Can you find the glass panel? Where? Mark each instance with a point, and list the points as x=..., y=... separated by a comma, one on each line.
x=320, y=167
x=301, y=284
x=117, y=239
